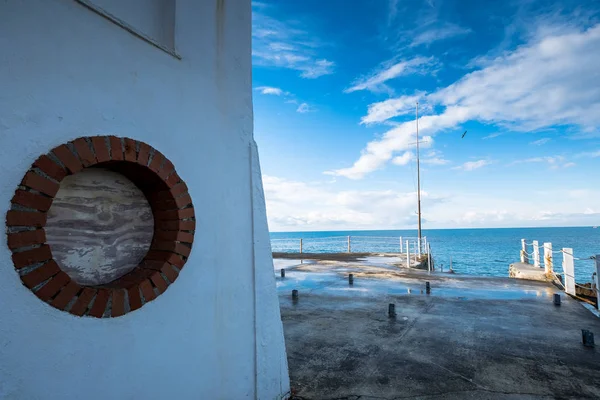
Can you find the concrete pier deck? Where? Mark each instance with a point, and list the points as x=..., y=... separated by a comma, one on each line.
x=527, y=271
x=473, y=338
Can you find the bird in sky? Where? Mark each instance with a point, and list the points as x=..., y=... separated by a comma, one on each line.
x=463, y=135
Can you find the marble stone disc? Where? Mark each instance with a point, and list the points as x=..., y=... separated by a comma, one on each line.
x=99, y=227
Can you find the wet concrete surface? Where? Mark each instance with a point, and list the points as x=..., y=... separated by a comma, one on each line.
x=473, y=338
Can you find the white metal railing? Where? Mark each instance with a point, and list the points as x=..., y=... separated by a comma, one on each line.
x=568, y=266
x=350, y=244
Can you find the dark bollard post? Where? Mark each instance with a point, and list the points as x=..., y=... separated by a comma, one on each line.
x=282, y=273
x=351, y=279
x=557, y=299
x=392, y=311
x=427, y=287
x=295, y=294
x=587, y=337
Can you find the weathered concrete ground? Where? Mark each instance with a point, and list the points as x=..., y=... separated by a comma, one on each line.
x=476, y=338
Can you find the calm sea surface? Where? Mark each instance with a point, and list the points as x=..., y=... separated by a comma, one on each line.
x=486, y=252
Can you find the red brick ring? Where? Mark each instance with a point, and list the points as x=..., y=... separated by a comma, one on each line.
x=174, y=225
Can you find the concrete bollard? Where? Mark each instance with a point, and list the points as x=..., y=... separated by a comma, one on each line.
x=282, y=273
x=295, y=294
x=427, y=287
x=557, y=299
x=392, y=310
x=587, y=337
x=351, y=279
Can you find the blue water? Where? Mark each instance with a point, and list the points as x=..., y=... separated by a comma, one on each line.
x=483, y=252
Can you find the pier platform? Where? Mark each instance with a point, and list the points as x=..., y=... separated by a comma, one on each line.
x=469, y=338
x=528, y=272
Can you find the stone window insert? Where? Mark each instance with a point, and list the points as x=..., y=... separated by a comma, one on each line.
x=166, y=193
x=150, y=20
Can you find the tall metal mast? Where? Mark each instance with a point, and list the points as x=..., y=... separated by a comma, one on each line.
x=418, y=179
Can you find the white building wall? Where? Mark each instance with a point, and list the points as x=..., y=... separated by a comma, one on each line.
x=67, y=72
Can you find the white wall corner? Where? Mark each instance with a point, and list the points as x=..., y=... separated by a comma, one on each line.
x=271, y=359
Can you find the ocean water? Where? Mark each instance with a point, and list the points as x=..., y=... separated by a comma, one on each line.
x=483, y=252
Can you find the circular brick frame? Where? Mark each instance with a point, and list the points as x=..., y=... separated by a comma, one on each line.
x=174, y=226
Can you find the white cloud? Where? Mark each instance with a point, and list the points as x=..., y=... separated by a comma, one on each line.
x=403, y=159
x=323, y=207
x=270, y=90
x=554, y=71
x=392, y=10
x=589, y=154
x=304, y=108
x=540, y=142
x=438, y=33
x=492, y=135
x=384, y=110
x=284, y=44
x=389, y=70
x=548, y=159
x=434, y=157
x=317, y=69
x=555, y=162
x=435, y=161
x=378, y=150
x=473, y=165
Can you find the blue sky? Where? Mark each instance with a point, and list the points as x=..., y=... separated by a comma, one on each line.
x=335, y=88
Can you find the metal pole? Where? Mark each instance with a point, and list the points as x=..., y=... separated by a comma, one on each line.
x=407, y=255
x=569, y=271
x=300, y=246
x=548, y=267
x=536, y=254
x=418, y=177
x=418, y=249
x=349, y=244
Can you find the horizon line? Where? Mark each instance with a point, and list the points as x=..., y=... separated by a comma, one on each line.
x=438, y=229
